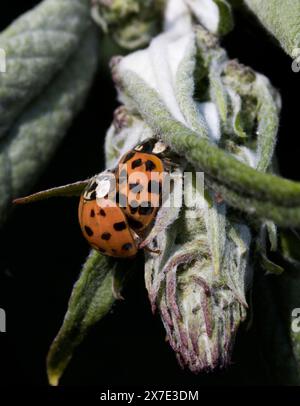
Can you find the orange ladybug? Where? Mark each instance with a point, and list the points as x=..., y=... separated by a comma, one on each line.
x=140, y=176
x=103, y=222
x=118, y=207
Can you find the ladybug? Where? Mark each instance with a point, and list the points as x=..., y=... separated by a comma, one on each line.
x=118, y=207
x=140, y=175
x=103, y=222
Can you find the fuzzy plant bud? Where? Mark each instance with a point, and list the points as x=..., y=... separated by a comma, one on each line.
x=126, y=131
x=132, y=23
x=199, y=281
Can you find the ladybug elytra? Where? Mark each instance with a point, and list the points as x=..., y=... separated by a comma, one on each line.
x=118, y=207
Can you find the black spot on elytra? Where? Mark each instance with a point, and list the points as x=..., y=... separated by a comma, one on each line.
x=120, y=226
x=133, y=210
x=92, y=214
x=88, y=230
x=145, y=210
x=136, y=163
x=128, y=156
x=106, y=236
x=101, y=249
x=127, y=246
x=135, y=224
x=136, y=187
x=113, y=250
x=154, y=187
x=150, y=165
x=102, y=213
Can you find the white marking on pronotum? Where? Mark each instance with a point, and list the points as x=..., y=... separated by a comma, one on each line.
x=2, y=321
x=139, y=148
x=106, y=186
x=159, y=147
x=103, y=187
x=2, y=60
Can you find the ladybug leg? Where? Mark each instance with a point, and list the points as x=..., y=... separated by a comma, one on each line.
x=170, y=165
x=148, y=249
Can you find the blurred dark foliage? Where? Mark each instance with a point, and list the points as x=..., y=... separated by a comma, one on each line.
x=42, y=251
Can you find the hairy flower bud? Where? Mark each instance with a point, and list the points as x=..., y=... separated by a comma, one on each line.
x=201, y=304
x=132, y=22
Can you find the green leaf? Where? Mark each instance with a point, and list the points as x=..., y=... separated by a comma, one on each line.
x=268, y=122
x=254, y=100
x=73, y=189
x=35, y=135
x=264, y=195
x=37, y=46
x=281, y=18
x=290, y=246
x=215, y=220
x=270, y=266
x=131, y=23
x=226, y=19
x=272, y=235
x=92, y=298
x=218, y=92
x=184, y=91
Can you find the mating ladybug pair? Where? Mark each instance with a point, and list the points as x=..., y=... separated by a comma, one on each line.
x=118, y=207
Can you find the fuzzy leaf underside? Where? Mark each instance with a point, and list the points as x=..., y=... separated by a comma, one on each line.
x=37, y=46
x=281, y=18
x=35, y=135
x=73, y=189
x=91, y=300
